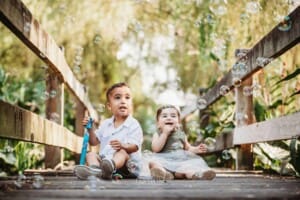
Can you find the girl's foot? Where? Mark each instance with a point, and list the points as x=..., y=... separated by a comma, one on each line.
x=161, y=174
x=205, y=175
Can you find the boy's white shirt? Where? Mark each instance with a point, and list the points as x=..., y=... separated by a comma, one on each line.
x=128, y=132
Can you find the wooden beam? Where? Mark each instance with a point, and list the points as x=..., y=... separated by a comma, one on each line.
x=274, y=44
x=280, y=128
x=17, y=123
x=16, y=16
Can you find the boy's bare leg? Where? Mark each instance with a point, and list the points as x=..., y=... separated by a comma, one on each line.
x=120, y=158
x=92, y=159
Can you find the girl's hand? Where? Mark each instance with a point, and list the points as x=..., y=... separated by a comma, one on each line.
x=168, y=129
x=201, y=148
x=116, y=144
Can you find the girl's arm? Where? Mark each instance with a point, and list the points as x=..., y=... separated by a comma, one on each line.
x=158, y=142
x=201, y=148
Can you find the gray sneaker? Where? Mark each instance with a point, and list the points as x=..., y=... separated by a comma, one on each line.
x=108, y=168
x=83, y=171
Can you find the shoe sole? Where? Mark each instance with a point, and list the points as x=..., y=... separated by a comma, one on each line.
x=83, y=172
x=107, y=170
x=158, y=174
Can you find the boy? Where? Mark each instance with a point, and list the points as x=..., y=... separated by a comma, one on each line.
x=120, y=137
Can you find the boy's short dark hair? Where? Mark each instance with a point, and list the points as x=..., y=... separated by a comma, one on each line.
x=116, y=85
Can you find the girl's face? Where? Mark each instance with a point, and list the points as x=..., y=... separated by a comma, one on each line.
x=168, y=117
x=120, y=102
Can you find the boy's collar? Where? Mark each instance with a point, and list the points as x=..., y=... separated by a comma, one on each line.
x=126, y=123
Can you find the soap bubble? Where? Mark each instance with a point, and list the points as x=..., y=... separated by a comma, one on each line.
x=226, y=155
x=285, y=24
x=38, y=181
x=236, y=82
x=247, y=91
x=201, y=103
x=224, y=89
x=210, y=143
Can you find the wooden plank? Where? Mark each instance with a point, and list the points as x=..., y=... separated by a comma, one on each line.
x=17, y=123
x=15, y=15
x=240, y=187
x=280, y=128
x=274, y=44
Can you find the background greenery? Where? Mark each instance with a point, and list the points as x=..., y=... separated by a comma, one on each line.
x=201, y=36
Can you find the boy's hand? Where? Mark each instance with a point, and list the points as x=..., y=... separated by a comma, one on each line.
x=116, y=144
x=85, y=120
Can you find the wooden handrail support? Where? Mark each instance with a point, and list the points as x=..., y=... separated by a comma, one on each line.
x=285, y=127
x=17, y=123
x=274, y=44
x=15, y=15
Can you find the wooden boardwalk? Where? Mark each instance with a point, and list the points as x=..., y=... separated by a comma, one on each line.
x=224, y=186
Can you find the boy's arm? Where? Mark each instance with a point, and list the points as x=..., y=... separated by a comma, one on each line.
x=93, y=140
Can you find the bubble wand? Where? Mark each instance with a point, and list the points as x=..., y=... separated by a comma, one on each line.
x=86, y=138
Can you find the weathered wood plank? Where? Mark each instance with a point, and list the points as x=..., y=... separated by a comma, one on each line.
x=15, y=15
x=20, y=124
x=279, y=128
x=274, y=44
x=260, y=187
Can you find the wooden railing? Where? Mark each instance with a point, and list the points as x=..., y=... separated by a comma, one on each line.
x=271, y=46
x=20, y=124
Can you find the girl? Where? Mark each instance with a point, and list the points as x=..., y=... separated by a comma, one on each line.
x=173, y=156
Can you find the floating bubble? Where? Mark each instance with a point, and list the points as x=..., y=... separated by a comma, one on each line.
x=54, y=117
x=97, y=39
x=53, y=93
x=220, y=10
x=244, y=18
x=46, y=96
x=236, y=82
x=247, y=91
x=226, y=155
x=197, y=23
x=239, y=69
x=21, y=180
x=77, y=69
x=42, y=55
x=252, y=7
x=241, y=53
x=27, y=27
x=201, y=103
x=101, y=108
x=38, y=181
x=285, y=24
x=241, y=118
x=92, y=183
x=224, y=89
x=256, y=90
x=210, y=143
x=134, y=166
x=261, y=61
x=209, y=19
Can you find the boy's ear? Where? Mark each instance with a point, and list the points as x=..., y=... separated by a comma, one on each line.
x=108, y=106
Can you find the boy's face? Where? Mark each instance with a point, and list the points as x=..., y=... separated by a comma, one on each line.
x=168, y=117
x=120, y=102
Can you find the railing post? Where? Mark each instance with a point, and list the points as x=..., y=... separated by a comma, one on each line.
x=79, y=129
x=54, y=112
x=244, y=116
